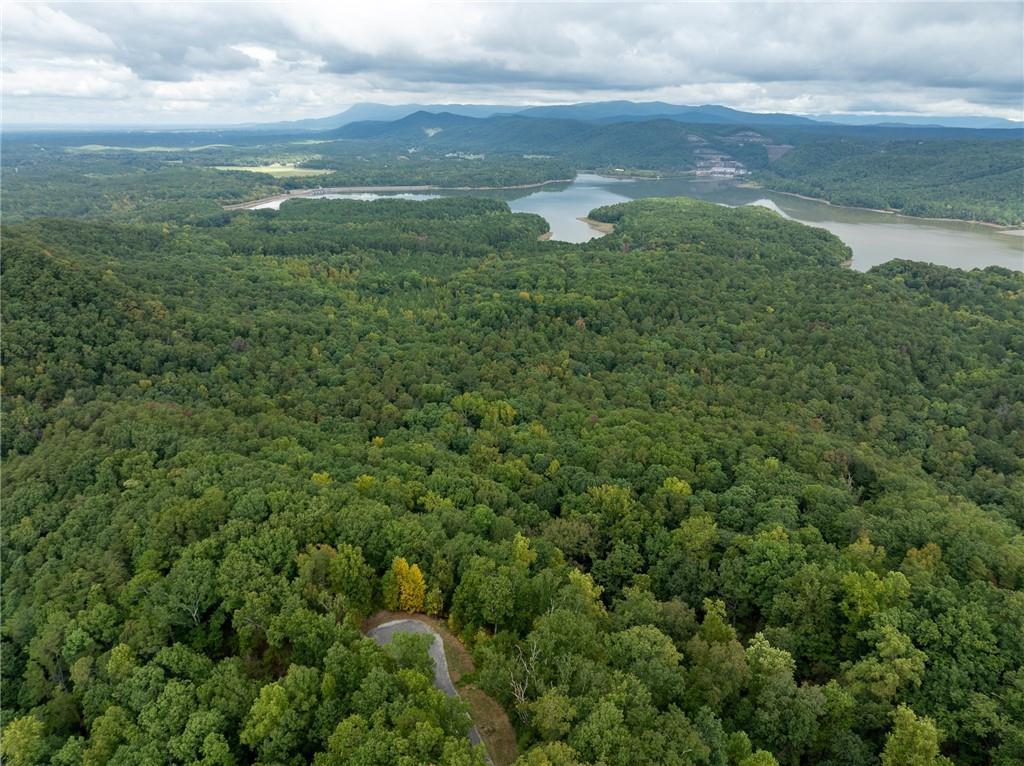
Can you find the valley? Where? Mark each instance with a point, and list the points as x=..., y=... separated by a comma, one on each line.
x=874, y=236
x=595, y=434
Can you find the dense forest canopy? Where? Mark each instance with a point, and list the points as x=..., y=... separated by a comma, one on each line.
x=691, y=493
x=972, y=180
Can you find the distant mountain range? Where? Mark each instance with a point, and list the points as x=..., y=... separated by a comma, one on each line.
x=626, y=111
x=381, y=112
x=652, y=143
x=918, y=121
x=592, y=112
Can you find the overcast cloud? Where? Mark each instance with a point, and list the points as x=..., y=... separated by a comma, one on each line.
x=190, y=63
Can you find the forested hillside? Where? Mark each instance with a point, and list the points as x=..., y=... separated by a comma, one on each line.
x=971, y=180
x=691, y=493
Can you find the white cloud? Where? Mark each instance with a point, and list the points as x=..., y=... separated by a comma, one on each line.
x=48, y=28
x=231, y=62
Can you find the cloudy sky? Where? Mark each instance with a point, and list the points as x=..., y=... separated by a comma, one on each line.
x=202, y=63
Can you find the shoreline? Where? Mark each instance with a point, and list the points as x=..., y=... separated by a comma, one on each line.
x=1016, y=230
x=630, y=176
x=1011, y=229
x=320, y=191
x=601, y=226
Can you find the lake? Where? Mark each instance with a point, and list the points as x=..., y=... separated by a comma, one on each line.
x=874, y=237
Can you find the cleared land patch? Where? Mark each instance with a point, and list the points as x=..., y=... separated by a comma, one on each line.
x=277, y=170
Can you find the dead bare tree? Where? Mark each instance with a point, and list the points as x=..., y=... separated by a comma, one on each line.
x=522, y=672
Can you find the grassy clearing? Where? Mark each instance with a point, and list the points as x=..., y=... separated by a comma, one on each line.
x=277, y=170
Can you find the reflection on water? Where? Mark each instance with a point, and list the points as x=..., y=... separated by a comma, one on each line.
x=563, y=208
x=874, y=237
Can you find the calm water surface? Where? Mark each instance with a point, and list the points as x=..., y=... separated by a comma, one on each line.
x=874, y=237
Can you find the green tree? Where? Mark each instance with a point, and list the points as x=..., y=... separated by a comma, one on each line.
x=277, y=726
x=913, y=741
x=553, y=714
x=23, y=743
x=717, y=662
x=549, y=754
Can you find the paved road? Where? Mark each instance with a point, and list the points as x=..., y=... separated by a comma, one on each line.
x=382, y=634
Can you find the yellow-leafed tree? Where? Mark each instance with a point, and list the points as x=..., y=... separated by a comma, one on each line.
x=412, y=587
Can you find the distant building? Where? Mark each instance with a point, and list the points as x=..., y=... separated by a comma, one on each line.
x=722, y=171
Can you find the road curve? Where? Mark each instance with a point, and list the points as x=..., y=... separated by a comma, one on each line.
x=383, y=634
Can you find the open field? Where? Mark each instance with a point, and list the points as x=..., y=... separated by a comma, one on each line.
x=277, y=170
